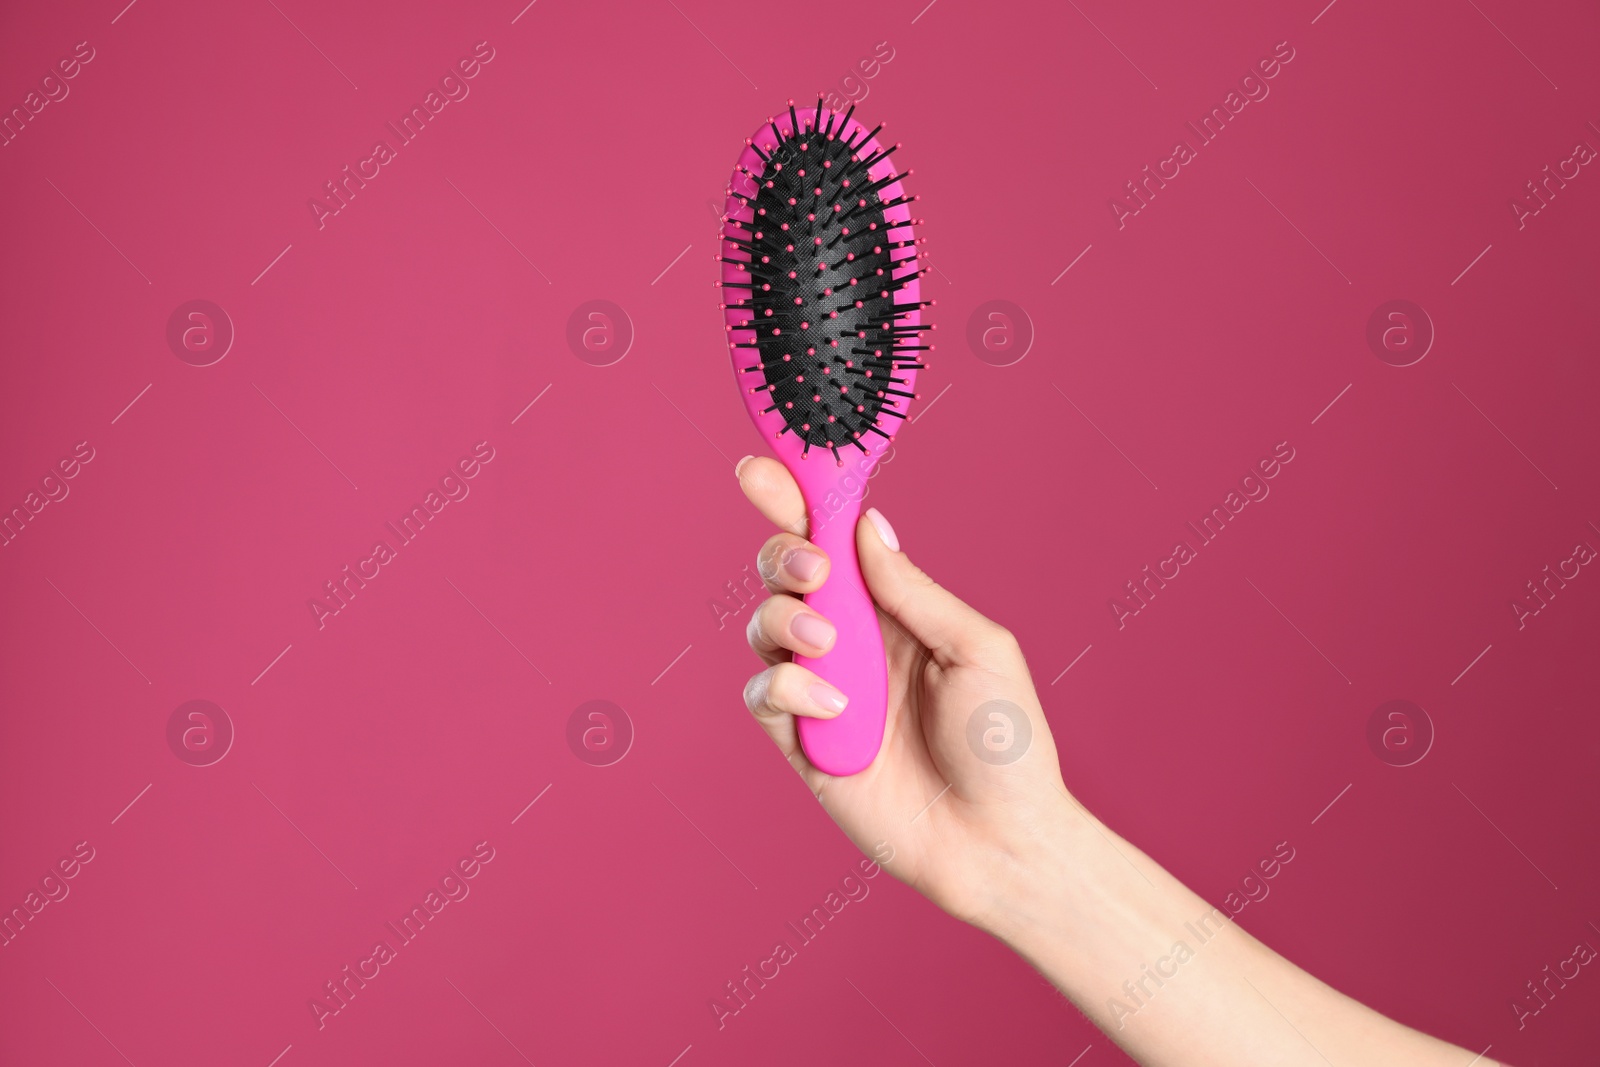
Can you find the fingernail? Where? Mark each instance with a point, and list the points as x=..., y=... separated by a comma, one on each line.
x=827, y=697
x=738, y=468
x=803, y=564
x=885, y=531
x=812, y=630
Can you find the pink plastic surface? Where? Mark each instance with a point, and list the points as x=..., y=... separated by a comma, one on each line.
x=833, y=490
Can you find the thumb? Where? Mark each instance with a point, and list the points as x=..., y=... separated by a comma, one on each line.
x=946, y=625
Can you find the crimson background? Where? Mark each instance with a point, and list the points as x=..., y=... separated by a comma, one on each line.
x=415, y=323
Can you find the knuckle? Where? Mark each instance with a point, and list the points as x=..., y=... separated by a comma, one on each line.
x=997, y=638
x=756, y=689
x=776, y=556
x=770, y=559
x=785, y=685
x=919, y=578
x=755, y=630
x=768, y=619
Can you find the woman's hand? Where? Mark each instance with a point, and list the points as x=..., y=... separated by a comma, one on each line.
x=967, y=780
x=965, y=803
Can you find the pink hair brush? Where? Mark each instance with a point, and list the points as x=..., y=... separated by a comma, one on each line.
x=824, y=320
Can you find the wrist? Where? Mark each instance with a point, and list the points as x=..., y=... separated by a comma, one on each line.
x=1047, y=876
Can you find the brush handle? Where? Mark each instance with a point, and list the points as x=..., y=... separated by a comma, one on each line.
x=849, y=742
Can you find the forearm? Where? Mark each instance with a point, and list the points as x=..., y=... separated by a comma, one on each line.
x=1172, y=979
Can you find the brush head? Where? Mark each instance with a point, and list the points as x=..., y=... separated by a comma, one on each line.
x=820, y=268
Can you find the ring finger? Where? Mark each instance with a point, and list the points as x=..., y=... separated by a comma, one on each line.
x=779, y=693
x=783, y=625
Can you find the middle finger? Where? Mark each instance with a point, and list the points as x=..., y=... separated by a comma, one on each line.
x=791, y=564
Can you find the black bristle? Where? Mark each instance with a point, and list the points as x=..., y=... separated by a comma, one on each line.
x=846, y=120
x=799, y=345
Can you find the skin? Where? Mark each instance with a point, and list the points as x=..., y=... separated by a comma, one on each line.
x=1006, y=847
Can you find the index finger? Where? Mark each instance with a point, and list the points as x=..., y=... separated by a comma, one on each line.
x=771, y=488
